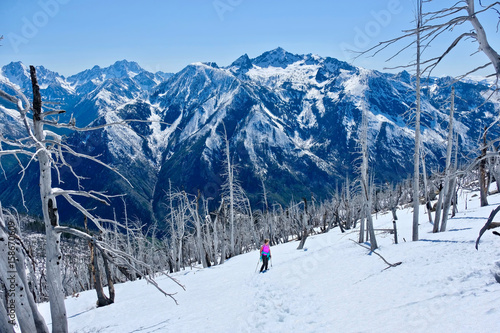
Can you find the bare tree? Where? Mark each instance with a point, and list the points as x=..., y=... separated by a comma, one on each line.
x=230, y=188
x=195, y=212
x=366, y=192
x=442, y=205
x=431, y=25
x=102, y=299
x=21, y=303
x=234, y=196
x=41, y=141
x=416, y=153
x=448, y=181
x=438, y=22
x=48, y=148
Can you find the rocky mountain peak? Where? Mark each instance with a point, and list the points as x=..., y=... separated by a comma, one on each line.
x=276, y=58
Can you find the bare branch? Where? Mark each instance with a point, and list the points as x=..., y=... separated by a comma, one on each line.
x=123, y=122
x=112, y=254
x=481, y=36
x=15, y=152
x=8, y=97
x=51, y=113
x=90, y=194
x=445, y=12
x=382, y=45
x=20, y=180
x=470, y=72
x=437, y=60
x=487, y=225
x=74, y=153
x=378, y=254
x=97, y=222
x=434, y=26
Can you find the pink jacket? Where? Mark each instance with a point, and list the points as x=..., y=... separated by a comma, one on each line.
x=265, y=250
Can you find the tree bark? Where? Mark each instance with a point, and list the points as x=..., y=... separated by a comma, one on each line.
x=5, y=326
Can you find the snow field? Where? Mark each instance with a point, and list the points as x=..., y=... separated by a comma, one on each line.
x=442, y=285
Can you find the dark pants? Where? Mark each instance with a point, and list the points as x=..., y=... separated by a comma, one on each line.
x=265, y=261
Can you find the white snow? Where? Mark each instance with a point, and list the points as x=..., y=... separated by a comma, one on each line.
x=16, y=79
x=158, y=140
x=299, y=74
x=11, y=113
x=264, y=128
x=355, y=85
x=106, y=97
x=442, y=285
x=334, y=96
x=65, y=85
x=303, y=144
x=306, y=118
x=123, y=140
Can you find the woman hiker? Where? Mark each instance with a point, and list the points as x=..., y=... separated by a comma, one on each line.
x=265, y=254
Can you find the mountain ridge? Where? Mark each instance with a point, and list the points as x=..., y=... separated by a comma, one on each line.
x=292, y=122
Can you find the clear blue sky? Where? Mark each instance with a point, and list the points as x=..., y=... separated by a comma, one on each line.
x=69, y=36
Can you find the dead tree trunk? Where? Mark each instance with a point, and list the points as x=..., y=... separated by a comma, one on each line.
x=304, y=223
x=50, y=217
x=230, y=180
x=437, y=214
x=366, y=188
x=487, y=225
x=369, y=220
x=223, y=239
x=20, y=304
x=416, y=157
x=483, y=182
x=102, y=299
x=109, y=277
x=196, y=216
x=427, y=196
x=448, y=191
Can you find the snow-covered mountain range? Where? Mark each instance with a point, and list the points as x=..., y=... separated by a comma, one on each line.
x=292, y=122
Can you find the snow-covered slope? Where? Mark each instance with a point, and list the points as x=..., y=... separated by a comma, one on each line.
x=334, y=285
